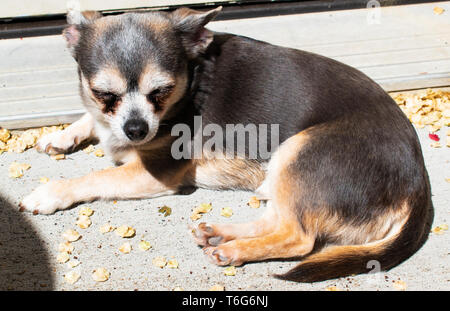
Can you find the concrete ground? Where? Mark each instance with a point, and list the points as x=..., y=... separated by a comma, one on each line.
x=29, y=244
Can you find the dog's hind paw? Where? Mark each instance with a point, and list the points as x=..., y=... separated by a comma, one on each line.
x=222, y=256
x=45, y=199
x=57, y=142
x=205, y=235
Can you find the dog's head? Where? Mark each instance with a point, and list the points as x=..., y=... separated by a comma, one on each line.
x=133, y=67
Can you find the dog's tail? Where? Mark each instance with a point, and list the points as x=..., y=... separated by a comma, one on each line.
x=339, y=261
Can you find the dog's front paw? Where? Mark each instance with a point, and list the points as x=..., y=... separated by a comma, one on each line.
x=46, y=199
x=57, y=142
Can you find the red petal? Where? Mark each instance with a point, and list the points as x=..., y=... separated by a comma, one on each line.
x=433, y=137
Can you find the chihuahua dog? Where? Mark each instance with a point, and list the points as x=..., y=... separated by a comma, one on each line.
x=347, y=184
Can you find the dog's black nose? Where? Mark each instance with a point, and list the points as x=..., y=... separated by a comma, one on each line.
x=136, y=129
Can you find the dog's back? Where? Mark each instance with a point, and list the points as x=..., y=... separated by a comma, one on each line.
x=251, y=81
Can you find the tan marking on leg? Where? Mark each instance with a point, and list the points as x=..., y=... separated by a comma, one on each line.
x=215, y=234
x=129, y=181
x=286, y=241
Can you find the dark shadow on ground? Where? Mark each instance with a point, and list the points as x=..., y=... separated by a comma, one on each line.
x=24, y=262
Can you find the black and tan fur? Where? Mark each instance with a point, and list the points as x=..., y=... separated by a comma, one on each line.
x=347, y=185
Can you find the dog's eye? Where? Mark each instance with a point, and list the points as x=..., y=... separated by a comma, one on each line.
x=157, y=96
x=108, y=98
x=154, y=95
x=105, y=96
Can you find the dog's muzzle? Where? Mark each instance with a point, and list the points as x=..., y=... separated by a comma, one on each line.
x=136, y=129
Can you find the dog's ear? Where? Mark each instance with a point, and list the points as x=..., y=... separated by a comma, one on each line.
x=190, y=24
x=75, y=19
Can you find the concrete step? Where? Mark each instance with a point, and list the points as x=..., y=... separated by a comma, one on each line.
x=401, y=47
